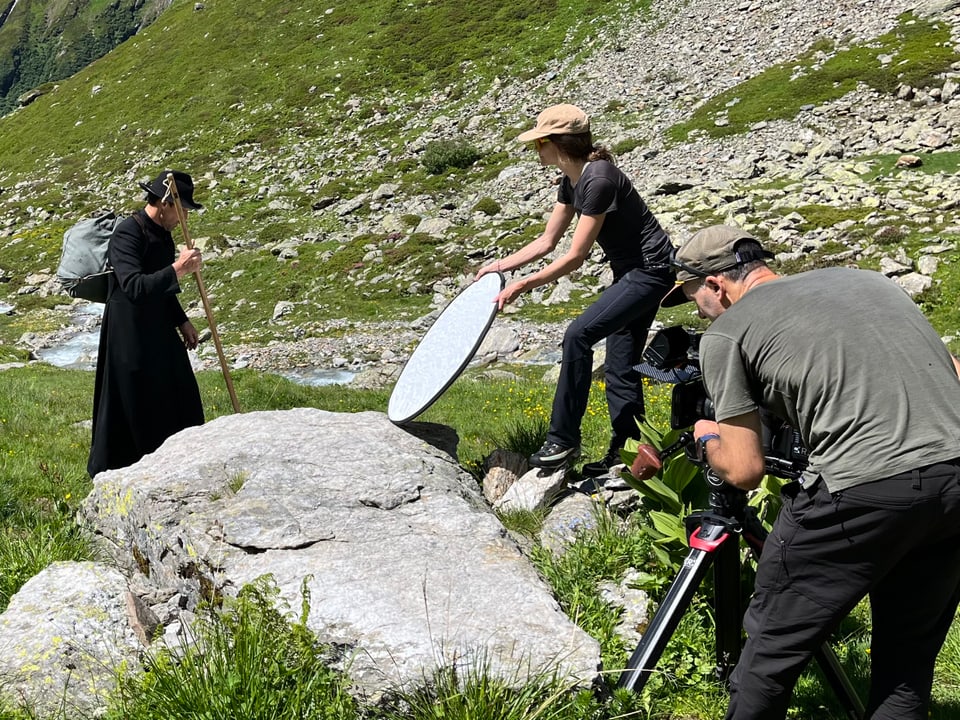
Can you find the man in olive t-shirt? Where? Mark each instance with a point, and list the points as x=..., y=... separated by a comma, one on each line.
x=848, y=359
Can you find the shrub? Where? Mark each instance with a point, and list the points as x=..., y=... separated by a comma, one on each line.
x=890, y=235
x=487, y=205
x=443, y=154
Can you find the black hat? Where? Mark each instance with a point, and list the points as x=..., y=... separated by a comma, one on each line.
x=158, y=188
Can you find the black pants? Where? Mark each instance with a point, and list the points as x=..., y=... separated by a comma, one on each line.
x=897, y=540
x=622, y=314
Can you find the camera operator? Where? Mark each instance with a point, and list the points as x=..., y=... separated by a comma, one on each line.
x=846, y=357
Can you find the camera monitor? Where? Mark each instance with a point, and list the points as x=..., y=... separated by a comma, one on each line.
x=445, y=350
x=671, y=356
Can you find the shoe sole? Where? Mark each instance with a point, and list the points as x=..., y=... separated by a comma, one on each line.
x=552, y=463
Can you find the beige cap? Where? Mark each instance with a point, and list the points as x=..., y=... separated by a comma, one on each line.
x=561, y=119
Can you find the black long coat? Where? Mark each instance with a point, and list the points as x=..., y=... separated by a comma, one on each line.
x=145, y=387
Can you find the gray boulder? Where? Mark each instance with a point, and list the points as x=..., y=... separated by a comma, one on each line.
x=63, y=636
x=407, y=567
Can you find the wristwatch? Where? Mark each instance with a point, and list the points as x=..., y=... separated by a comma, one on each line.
x=701, y=448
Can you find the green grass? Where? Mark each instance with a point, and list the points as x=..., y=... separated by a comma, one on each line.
x=284, y=53
x=882, y=167
x=273, y=76
x=608, y=547
x=450, y=694
x=42, y=459
x=246, y=660
x=230, y=62
x=921, y=51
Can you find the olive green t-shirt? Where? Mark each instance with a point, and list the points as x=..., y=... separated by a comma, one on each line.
x=846, y=358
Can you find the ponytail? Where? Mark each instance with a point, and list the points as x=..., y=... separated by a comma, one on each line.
x=600, y=153
x=580, y=147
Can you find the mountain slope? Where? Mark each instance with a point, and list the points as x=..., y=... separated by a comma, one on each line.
x=308, y=131
x=239, y=72
x=43, y=41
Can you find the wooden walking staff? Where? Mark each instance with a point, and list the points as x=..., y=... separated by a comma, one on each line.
x=172, y=189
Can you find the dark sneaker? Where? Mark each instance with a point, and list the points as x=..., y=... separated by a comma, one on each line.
x=603, y=468
x=552, y=456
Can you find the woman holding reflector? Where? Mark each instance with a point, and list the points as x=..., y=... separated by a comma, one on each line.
x=611, y=214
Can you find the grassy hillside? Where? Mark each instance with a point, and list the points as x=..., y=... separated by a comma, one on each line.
x=320, y=102
x=200, y=85
x=47, y=40
x=312, y=105
x=825, y=72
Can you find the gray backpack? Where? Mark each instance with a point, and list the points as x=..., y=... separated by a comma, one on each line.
x=84, y=269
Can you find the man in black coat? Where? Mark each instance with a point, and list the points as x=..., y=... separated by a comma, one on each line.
x=145, y=388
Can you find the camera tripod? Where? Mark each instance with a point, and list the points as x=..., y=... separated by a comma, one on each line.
x=713, y=541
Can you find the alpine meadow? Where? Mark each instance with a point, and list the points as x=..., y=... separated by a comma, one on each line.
x=357, y=163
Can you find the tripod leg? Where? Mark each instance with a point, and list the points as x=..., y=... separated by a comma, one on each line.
x=728, y=608
x=667, y=617
x=838, y=680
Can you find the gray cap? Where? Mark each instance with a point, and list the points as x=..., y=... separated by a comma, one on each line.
x=710, y=251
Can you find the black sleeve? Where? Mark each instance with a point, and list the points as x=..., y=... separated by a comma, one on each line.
x=599, y=195
x=128, y=249
x=175, y=311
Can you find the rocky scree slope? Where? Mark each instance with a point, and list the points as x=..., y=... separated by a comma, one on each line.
x=653, y=72
x=639, y=75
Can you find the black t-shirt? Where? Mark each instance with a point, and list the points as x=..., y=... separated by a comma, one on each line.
x=631, y=237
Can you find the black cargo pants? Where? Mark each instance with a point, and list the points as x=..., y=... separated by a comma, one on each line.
x=896, y=539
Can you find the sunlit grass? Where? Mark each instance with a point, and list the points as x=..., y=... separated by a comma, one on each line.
x=41, y=493
x=249, y=659
x=921, y=49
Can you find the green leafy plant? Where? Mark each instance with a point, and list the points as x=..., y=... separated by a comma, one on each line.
x=669, y=496
x=766, y=499
x=676, y=491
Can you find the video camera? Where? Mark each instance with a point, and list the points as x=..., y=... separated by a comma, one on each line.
x=673, y=356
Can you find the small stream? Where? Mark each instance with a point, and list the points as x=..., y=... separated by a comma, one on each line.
x=76, y=348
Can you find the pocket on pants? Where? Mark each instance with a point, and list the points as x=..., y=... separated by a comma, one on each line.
x=802, y=505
